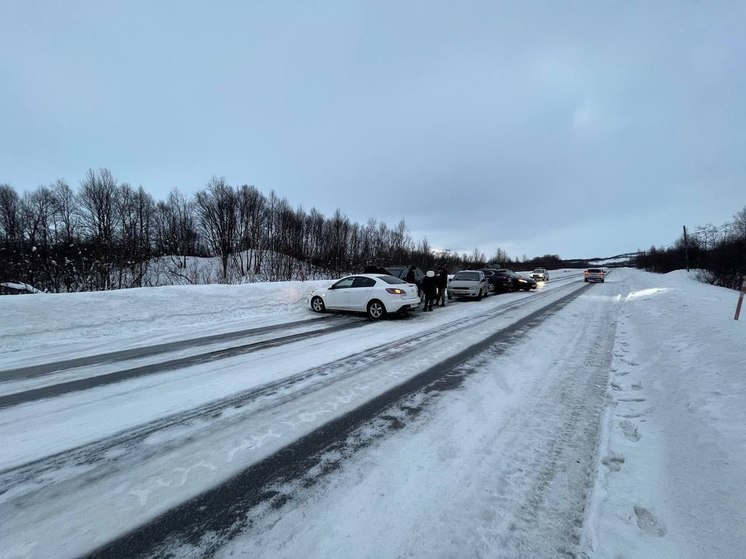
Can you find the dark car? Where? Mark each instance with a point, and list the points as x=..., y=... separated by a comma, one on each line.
x=488, y=273
x=504, y=280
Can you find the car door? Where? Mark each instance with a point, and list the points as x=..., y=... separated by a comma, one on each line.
x=360, y=293
x=338, y=295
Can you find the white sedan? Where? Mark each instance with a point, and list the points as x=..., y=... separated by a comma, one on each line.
x=374, y=294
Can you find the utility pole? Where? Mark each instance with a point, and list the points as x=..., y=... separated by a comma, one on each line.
x=686, y=249
x=740, y=297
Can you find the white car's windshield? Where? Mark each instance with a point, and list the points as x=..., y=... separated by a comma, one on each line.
x=469, y=276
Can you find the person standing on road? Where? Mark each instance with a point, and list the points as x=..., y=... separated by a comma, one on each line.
x=412, y=278
x=441, y=282
x=430, y=288
x=411, y=275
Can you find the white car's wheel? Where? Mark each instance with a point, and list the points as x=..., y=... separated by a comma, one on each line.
x=317, y=304
x=376, y=309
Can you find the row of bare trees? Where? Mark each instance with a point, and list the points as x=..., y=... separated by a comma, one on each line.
x=110, y=235
x=719, y=253
x=62, y=240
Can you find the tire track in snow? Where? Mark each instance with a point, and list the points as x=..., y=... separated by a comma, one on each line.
x=220, y=513
x=302, y=384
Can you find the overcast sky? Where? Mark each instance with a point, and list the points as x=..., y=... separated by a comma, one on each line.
x=577, y=128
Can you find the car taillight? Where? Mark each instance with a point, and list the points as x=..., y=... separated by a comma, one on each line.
x=395, y=291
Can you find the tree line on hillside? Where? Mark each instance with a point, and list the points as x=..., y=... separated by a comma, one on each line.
x=110, y=235
x=719, y=253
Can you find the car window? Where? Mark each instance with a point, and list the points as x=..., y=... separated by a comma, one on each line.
x=397, y=271
x=362, y=281
x=392, y=280
x=470, y=276
x=343, y=283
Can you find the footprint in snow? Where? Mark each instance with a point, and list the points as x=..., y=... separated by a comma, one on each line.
x=630, y=431
x=613, y=462
x=648, y=523
x=637, y=386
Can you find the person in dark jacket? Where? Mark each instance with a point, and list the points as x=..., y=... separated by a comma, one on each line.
x=411, y=275
x=430, y=289
x=412, y=278
x=441, y=282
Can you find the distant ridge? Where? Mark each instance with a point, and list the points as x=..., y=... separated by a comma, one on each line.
x=624, y=259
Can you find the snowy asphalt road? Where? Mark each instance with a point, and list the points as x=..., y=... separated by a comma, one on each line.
x=259, y=340
x=279, y=437
x=224, y=511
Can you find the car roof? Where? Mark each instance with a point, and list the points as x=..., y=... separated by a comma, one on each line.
x=373, y=276
x=372, y=269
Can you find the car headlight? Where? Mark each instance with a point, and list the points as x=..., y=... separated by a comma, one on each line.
x=521, y=281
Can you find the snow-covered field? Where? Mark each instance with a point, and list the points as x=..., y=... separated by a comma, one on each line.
x=621, y=416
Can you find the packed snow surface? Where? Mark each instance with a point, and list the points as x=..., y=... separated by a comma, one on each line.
x=616, y=428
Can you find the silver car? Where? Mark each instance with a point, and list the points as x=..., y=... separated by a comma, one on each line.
x=468, y=283
x=595, y=275
x=540, y=274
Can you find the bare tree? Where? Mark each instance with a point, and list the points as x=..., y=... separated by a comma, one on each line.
x=67, y=217
x=9, y=212
x=39, y=208
x=251, y=222
x=737, y=227
x=707, y=236
x=217, y=218
x=314, y=232
x=400, y=243
x=500, y=256
x=97, y=199
x=176, y=230
x=336, y=237
x=135, y=213
x=11, y=243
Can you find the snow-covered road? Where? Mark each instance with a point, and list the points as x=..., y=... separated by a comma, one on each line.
x=482, y=429
x=500, y=467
